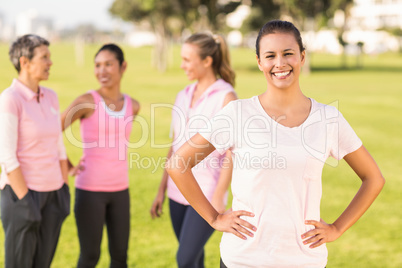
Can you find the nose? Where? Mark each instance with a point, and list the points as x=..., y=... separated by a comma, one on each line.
x=280, y=61
x=182, y=65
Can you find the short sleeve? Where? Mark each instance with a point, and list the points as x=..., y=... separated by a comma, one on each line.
x=345, y=140
x=221, y=130
x=8, y=132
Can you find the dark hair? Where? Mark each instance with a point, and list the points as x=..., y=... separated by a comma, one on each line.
x=278, y=26
x=214, y=46
x=24, y=46
x=115, y=49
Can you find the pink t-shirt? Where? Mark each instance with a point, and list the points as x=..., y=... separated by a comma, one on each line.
x=31, y=137
x=277, y=176
x=105, y=136
x=187, y=121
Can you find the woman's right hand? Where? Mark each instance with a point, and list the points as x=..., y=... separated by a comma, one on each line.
x=231, y=222
x=157, y=205
x=75, y=170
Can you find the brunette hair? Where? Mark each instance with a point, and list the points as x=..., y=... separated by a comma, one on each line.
x=214, y=46
x=115, y=49
x=278, y=26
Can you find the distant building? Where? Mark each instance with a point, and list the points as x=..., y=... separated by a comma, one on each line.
x=29, y=22
x=369, y=21
x=367, y=24
x=376, y=14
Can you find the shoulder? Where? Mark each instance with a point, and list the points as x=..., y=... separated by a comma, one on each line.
x=83, y=105
x=136, y=106
x=182, y=95
x=230, y=96
x=10, y=100
x=85, y=98
x=183, y=92
x=329, y=111
x=9, y=94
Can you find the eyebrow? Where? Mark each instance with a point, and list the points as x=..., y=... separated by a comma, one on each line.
x=288, y=49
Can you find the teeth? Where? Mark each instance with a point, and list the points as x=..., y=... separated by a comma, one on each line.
x=281, y=74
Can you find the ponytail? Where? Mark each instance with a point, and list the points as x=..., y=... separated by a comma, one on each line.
x=215, y=46
x=223, y=68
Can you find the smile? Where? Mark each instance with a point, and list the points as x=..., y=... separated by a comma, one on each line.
x=282, y=74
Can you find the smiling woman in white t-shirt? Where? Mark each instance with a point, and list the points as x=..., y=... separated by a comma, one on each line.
x=279, y=141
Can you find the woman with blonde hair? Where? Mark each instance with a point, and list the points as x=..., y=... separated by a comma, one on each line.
x=205, y=58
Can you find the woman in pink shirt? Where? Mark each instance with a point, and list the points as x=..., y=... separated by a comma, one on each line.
x=102, y=195
x=205, y=58
x=35, y=198
x=280, y=141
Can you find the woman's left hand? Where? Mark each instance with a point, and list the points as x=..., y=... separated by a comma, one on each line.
x=323, y=233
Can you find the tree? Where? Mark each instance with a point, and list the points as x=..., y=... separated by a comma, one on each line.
x=167, y=17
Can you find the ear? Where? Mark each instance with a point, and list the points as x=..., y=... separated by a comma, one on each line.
x=208, y=61
x=258, y=62
x=303, y=57
x=24, y=61
x=123, y=67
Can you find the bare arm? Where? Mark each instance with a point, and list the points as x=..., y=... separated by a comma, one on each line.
x=136, y=106
x=81, y=107
x=225, y=176
x=218, y=199
x=157, y=205
x=372, y=182
x=64, y=170
x=179, y=168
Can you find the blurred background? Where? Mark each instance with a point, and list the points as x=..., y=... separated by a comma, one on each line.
x=337, y=27
x=354, y=62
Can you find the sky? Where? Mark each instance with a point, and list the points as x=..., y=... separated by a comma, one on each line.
x=65, y=13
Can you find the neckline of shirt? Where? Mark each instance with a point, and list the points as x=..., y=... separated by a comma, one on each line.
x=262, y=111
x=27, y=93
x=110, y=112
x=204, y=95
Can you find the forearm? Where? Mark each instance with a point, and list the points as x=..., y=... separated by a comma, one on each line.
x=366, y=195
x=190, y=189
x=64, y=170
x=17, y=182
x=225, y=177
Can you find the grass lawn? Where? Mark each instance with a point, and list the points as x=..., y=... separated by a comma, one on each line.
x=369, y=98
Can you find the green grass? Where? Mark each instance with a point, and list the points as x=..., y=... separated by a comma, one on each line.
x=369, y=98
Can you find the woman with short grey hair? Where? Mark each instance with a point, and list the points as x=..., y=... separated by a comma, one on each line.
x=35, y=198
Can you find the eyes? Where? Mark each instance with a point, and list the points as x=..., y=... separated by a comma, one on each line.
x=107, y=64
x=272, y=56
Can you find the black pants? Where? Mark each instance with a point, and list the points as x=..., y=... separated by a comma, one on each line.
x=192, y=231
x=92, y=211
x=32, y=226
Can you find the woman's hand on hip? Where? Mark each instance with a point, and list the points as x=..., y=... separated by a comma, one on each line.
x=231, y=222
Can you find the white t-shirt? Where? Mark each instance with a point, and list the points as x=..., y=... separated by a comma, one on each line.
x=277, y=176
